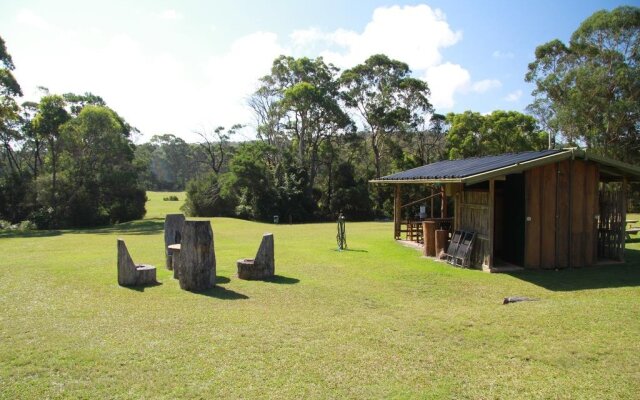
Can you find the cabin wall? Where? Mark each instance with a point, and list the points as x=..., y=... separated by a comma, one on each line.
x=561, y=205
x=472, y=214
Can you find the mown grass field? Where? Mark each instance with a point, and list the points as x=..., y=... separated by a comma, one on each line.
x=377, y=321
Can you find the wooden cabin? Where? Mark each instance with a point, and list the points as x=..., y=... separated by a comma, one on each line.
x=548, y=209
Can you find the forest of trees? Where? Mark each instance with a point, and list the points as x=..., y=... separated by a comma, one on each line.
x=322, y=133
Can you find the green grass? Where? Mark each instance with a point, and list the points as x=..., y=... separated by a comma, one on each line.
x=377, y=321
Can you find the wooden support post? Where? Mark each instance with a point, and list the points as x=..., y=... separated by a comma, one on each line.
x=431, y=194
x=492, y=193
x=397, y=210
x=443, y=202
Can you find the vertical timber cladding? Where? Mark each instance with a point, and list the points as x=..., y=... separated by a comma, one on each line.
x=592, y=210
x=563, y=219
x=474, y=216
x=561, y=205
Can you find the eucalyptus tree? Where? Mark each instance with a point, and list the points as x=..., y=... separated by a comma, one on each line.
x=305, y=98
x=9, y=110
x=387, y=99
x=100, y=184
x=47, y=123
x=215, y=146
x=472, y=134
x=590, y=88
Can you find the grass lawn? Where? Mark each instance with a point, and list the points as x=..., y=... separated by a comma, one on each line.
x=377, y=321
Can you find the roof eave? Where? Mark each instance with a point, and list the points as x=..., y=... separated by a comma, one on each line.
x=623, y=169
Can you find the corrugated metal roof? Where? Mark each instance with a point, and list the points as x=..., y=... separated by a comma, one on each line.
x=456, y=169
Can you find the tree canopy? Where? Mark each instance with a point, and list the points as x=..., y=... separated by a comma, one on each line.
x=589, y=90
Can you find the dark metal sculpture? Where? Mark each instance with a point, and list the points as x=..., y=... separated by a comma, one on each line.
x=341, y=238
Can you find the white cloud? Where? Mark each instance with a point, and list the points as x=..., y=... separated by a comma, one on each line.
x=503, y=54
x=29, y=18
x=514, y=96
x=413, y=34
x=159, y=91
x=444, y=81
x=169, y=15
x=485, y=85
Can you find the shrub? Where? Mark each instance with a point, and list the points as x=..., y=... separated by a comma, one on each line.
x=27, y=225
x=206, y=199
x=171, y=198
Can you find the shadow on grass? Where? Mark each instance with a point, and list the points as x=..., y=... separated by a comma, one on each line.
x=351, y=250
x=28, y=234
x=142, y=288
x=282, y=280
x=140, y=227
x=598, y=277
x=221, y=293
x=222, y=279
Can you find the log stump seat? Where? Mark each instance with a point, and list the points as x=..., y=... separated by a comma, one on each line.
x=131, y=274
x=263, y=265
x=197, y=258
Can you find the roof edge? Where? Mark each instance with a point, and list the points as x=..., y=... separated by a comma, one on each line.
x=444, y=180
x=518, y=167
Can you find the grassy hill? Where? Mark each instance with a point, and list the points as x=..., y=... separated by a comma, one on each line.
x=377, y=321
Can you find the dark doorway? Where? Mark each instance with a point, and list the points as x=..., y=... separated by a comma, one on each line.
x=509, y=219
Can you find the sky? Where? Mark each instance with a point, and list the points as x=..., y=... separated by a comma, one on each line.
x=183, y=67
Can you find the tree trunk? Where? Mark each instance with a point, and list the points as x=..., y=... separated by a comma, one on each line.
x=197, y=256
x=376, y=153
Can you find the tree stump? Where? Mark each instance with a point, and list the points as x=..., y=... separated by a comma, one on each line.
x=441, y=242
x=130, y=274
x=172, y=235
x=428, y=235
x=263, y=266
x=197, y=260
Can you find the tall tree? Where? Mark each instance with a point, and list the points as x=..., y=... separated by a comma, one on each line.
x=305, y=96
x=101, y=180
x=9, y=110
x=590, y=89
x=386, y=97
x=216, y=146
x=48, y=123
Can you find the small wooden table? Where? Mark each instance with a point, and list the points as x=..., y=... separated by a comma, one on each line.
x=632, y=230
x=174, y=250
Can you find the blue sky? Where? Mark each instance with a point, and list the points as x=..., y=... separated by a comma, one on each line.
x=184, y=66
